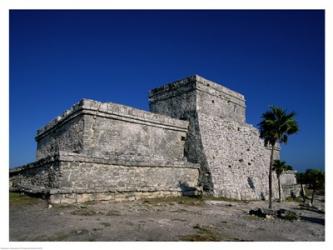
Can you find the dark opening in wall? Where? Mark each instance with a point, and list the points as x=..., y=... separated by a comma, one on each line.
x=229, y=166
x=241, y=160
x=213, y=101
x=238, y=129
x=183, y=138
x=251, y=184
x=249, y=163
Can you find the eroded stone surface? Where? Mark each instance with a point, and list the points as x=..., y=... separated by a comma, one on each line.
x=70, y=178
x=234, y=161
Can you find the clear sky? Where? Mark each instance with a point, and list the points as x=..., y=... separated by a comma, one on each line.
x=272, y=57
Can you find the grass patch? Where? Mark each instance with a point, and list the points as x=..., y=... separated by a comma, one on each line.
x=213, y=198
x=184, y=200
x=113, y=213
x=84, y=212
x=297, y=199
x=63, y=236
x=22, y=199
x=291, y=216
x=179, y=219
x=106, y=224
x=55, y=237
x=181, y=210
x=203, y=234
x=252, y=218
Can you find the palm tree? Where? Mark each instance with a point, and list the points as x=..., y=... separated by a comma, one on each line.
x=279, y=167
x=301, y=180
x=275, y=127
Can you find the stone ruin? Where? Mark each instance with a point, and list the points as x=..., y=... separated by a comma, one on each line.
x=289, y=185
x=194, y=139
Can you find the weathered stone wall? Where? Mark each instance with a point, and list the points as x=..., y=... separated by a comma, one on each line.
x=289, y=184
x=215, y=100
x=36, y=177
x=288, y=178
x=237, y=160
x=80, y=174
x=195, y=93
x=178, y=100
x=110, y=130
x=67, y=135
x=133, y=139
x=102, y=177
x=234, y=162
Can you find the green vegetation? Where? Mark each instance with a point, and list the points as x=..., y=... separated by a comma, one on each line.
x=207, y=233
x=276, y=125
x=113, y=213
x=66, y=236
x=294, y=199
x=291, y=216
x=191, y=201
x=316, y=180
x=252, y=218
x=84, y=212
x=184, y=200
x=106, y=224
x=18, y=199
x=203, y=234
x=213, y=198
x=312, y=179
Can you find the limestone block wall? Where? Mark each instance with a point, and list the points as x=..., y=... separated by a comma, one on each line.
x=196, y=93
x=70, y=177
x=67, y=135
x=216, y=100
x=288, y=178
x=36, y=177
x=289, y=184
x=109, y=130
x=106, y=151
x=178, y=100
x=108, y=176
x=237, y=160
x=234, y=162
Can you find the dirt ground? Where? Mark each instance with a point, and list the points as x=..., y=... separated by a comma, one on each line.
x=172, y=219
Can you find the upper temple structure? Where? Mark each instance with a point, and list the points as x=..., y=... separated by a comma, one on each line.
x=194, y=139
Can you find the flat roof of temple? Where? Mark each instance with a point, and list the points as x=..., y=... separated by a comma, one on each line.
x=195, y=79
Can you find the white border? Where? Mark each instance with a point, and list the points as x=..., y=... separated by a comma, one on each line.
x=6, y=5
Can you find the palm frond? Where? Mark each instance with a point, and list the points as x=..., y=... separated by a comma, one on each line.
x=276, y=125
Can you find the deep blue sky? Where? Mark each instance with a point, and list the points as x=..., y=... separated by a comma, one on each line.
x=272, y=57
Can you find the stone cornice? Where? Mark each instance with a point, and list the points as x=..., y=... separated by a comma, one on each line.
x=113, y=111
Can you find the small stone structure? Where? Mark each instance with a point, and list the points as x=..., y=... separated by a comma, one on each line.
x=195, y=138
x=289, y=184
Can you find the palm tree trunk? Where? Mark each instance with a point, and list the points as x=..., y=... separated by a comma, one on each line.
x=303, y=192
x=279, y=184
x=270, y=178
x=312, y=197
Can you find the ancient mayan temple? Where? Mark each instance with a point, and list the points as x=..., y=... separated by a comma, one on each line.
x=195, y=138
